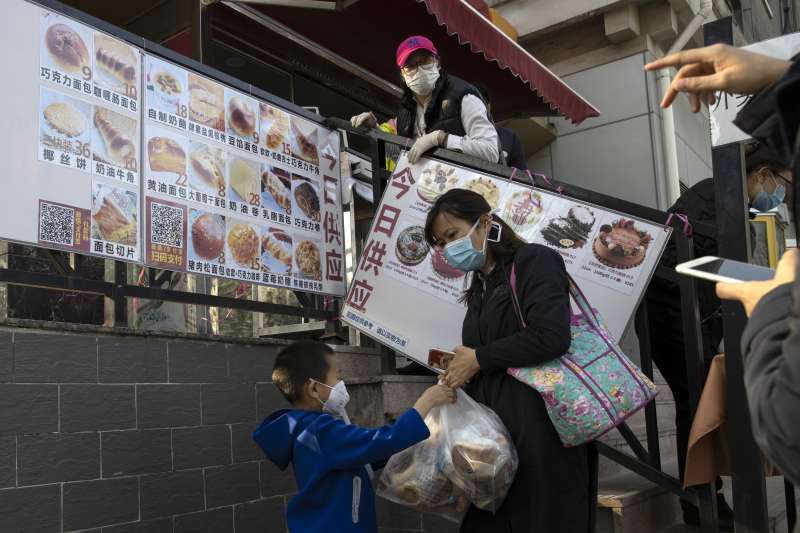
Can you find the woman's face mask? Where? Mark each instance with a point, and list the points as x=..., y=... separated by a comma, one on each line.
x=423, y=79
x=462, y=255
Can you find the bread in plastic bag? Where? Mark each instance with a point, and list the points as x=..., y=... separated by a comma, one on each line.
x=469, y=458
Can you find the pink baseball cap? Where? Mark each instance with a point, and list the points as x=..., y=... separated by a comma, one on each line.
x=411, y=45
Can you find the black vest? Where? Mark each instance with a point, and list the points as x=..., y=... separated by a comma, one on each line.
x=443, y=111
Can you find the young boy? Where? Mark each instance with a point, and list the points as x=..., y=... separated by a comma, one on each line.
x=329, y=454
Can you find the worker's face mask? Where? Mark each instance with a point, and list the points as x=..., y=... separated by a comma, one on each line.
x=765, y=201
x=423, y=80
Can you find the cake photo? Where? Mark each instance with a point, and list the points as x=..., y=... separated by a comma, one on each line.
x=571, y=231
x=523, y=210
x=411, y=248
x=436, y=180
x=621, y=245
x=487, y=188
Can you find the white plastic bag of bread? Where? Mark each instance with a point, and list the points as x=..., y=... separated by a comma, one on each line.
x=469, y=458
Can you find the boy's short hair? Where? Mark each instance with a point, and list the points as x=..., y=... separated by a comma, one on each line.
x=297, y=363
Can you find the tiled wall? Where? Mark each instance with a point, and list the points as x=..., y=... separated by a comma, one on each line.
x=135, y=434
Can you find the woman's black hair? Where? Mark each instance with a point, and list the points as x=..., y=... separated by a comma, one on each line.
x=469, y=206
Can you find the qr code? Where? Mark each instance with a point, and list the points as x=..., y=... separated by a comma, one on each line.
x=166, y=225
x=56, y=224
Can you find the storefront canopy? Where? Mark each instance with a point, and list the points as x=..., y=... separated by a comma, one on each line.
x=367, y=32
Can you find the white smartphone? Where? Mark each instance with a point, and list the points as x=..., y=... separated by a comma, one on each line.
x=727, y=270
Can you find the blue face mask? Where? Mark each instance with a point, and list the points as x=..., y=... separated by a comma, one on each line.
x=461, y=255
x=765, y=201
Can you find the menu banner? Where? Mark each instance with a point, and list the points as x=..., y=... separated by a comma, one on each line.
x=260, y=205
x=611, y=255
x=140, y=159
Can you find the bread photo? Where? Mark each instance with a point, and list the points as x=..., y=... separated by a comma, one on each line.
x=244, y=244
x=208, y=236
x=208, y=169
x=242, y=118
x=119, y=146
x=65, y=119
x=66, y=48
x=117, y=65
x=166, y=155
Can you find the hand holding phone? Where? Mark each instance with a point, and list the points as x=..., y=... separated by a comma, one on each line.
x=750, y=293
x=724, y=270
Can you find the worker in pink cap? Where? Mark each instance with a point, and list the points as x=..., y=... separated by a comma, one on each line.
x=438, y=109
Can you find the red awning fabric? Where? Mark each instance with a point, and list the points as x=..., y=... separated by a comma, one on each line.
x=474, y=30
x=367, y=33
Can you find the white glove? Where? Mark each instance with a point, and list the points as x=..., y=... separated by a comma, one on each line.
x=426, y=142
x=363, y=120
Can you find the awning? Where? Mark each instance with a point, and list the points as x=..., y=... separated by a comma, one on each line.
x=368, y=32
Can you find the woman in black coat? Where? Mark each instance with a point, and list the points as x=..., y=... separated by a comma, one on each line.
x=555, y=487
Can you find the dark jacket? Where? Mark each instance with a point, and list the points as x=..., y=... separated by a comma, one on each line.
x=443, y=111
x=771, y=340
x=328, y=456
x=663, y=296
x=511, y=144
x=551, y=491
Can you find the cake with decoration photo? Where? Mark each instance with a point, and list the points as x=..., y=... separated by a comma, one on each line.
x=411, y=248
x=571, y=231
x=436, y=180
x=621, y=244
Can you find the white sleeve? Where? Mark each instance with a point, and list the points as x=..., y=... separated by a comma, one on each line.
x=481, y=138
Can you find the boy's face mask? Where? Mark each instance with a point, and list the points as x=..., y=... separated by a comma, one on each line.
x=337, y=400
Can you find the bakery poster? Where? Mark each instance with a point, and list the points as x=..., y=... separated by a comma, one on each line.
x=611, y=255
x=259, y=198
x=143, y=160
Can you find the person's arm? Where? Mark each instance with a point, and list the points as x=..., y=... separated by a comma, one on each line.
x=481, y=137
x=543, y=294
x=349, y=446
x=772, y=116
x=771, y=344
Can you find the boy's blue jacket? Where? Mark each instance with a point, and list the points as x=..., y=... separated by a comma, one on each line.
x=328, y=455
